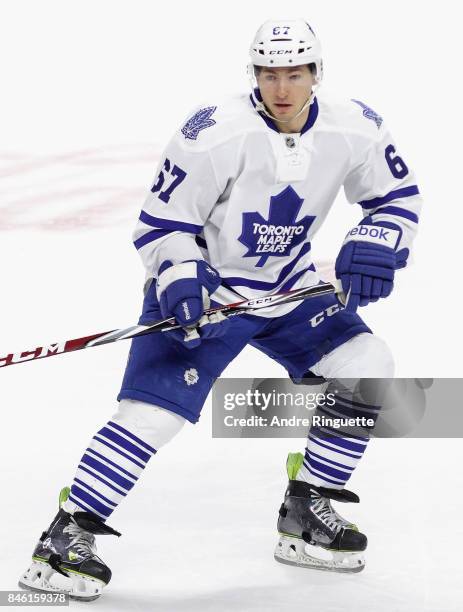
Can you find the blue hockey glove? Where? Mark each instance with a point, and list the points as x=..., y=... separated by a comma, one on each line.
x=367, y=262
x=183, y=292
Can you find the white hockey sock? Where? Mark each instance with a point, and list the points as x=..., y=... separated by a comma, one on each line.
x=331, y=454
x=117, y=455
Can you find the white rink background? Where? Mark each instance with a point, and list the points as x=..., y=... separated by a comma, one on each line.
x=91, y=91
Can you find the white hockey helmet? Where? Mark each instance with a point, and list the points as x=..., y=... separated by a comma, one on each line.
x=287, y=42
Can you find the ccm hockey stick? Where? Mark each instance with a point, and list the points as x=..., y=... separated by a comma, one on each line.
x=229, y=310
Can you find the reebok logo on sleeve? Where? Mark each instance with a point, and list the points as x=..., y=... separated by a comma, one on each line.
x=375, y=234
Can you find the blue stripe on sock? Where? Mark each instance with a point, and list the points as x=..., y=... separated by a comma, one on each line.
x=94, y=491
x=335, y=450
x=123, y=443
x=326, y=469
x=90, y=450
x=108, y=484
x=310, y=453
x=118, y=450
x=325, y=478
x=90, y=500
x=108, y=472
x=332, y=436
x=131, y=435
x=84, y=507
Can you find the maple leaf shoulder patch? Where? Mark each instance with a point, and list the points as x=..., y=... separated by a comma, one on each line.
x=369, y=113
x=200, y=121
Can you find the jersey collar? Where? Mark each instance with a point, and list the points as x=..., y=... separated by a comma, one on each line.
x=313, y=114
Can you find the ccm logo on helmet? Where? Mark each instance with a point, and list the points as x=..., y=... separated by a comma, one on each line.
x=281, y=52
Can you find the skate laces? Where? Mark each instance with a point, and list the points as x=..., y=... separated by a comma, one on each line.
x=341, y=519
x=82, y=541
x=322, y=508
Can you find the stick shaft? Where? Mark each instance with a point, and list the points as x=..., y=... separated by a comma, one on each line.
x=164, y=325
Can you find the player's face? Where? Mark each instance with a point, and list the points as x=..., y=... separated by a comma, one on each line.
x=285, y=90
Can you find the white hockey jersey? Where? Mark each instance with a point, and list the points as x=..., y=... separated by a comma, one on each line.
x=233, y=190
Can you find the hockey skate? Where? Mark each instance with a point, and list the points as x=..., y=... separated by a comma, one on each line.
x=312, y=533
x=65, y=559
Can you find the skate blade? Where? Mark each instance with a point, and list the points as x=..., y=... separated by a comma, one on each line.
x=294, y=551
x=42, y=577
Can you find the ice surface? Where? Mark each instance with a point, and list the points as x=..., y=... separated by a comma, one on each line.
x=87, y=106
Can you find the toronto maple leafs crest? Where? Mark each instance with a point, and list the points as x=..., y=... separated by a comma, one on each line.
x=369, y=113
x=200, y=121
x=278, y=235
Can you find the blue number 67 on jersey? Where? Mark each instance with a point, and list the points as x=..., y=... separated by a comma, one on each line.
x=176, y=173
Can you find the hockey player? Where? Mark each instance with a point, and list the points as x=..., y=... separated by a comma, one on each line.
x=240, y=191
